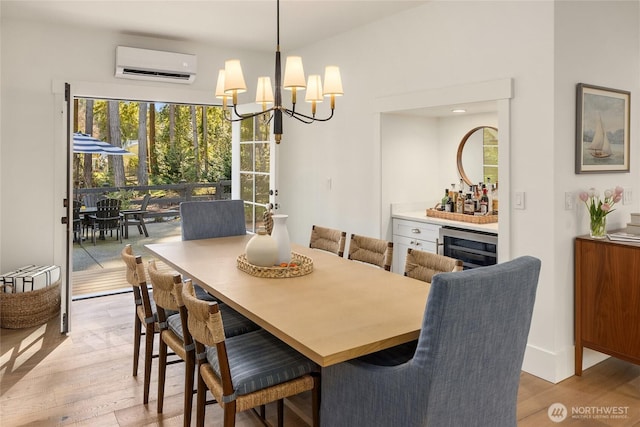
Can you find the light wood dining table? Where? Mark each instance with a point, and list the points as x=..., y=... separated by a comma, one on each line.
x=342, y=310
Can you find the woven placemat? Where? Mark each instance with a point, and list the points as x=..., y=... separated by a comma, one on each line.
x=300, y=265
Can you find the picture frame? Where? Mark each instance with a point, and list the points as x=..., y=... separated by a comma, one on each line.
x=602, y=129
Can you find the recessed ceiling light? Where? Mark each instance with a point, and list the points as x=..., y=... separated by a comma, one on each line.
x=458, y=110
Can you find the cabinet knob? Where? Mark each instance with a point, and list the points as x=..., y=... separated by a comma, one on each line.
x=415, y=230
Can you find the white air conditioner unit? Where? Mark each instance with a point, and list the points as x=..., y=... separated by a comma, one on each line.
x=156, y=65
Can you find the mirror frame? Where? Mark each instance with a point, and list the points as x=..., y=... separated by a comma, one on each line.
x=461, y=171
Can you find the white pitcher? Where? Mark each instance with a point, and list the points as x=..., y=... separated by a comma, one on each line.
x=281, y=236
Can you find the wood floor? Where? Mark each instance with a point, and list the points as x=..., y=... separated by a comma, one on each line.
x=84, y=378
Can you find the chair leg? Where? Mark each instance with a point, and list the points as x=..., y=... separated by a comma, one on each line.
x=230, y=414
x=315, y=399
x=144, y=227
x=137, y=335
x=189, y=371
x=201, y=400
x=280, y=406
x=148, y=358
x=162, y=370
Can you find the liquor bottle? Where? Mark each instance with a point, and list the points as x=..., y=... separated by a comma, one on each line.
x=453, y=197
x=469, y=206
x=494, y=199
x=444, y=204
x=460, y=202
x=484, y=202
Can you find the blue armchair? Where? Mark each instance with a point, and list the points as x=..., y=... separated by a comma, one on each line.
x=466, y=367
x=215, y=218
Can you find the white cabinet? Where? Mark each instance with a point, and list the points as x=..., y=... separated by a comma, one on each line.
x=412, y=234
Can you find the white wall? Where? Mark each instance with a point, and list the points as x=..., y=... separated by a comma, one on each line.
x=544, y=46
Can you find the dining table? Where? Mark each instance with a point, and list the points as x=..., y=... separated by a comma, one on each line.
x=340, y=310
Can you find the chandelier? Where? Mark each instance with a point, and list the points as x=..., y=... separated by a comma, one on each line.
x=231, y=83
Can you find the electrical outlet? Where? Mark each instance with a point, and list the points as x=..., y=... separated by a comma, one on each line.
x=627, y=197
x=569, y=201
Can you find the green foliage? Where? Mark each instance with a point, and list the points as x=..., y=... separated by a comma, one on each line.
x=176, y=156
x=124, y=196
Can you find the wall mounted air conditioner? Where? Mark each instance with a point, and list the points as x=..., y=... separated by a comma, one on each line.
x=156, y=65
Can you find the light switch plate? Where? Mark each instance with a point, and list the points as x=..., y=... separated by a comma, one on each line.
x=569, y=201
x=627, y=196
x=518, y=202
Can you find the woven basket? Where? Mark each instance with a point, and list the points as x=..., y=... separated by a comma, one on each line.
x=303, y=266
x=32, y=308
x=475, y=219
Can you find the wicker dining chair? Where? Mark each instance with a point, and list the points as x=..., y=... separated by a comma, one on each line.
x=145, y=314
x=174, y=334
x=370, y=250
x=423, y=265
x=328, y=239
x=245, y=371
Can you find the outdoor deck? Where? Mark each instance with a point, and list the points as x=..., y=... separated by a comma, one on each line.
x=99, y=270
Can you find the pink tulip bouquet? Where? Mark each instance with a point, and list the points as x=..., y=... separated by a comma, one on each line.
x=600, y=208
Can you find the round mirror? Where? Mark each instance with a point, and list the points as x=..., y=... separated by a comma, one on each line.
x=478, y=155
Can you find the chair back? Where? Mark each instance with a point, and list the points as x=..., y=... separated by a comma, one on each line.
x=107, y=213
x=472, y=343
x=90, y=200
x=145, y=202
x=137, y=278
x=163, y=286
x=328, y=239
x=212, y=218
x=423, y=265
x=370, y=250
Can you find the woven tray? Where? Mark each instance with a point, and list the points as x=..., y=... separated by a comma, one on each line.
x=303, y=266
x=26, y=309
x=475, y=219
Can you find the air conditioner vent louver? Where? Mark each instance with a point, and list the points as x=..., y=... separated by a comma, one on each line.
x=155, y=65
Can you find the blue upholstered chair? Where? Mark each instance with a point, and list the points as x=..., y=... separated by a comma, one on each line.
x=466, y=368
x=214, y=218
x=209, y=219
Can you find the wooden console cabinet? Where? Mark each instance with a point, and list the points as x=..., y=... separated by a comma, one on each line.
x=607, y=299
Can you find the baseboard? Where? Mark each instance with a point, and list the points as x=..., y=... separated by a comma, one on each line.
x=557, y=366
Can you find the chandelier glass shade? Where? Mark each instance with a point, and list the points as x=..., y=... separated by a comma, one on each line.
x=231, y=83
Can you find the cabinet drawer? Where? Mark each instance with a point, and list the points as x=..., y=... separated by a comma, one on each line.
x=412, y=242
x=416, y=230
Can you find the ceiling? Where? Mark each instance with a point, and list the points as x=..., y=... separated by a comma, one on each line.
x=246, y=24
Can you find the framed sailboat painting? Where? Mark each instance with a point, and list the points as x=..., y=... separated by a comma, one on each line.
x=602, y=129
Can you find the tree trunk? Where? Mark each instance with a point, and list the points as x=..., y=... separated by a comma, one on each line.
x=194, y=129
x=153, y=159
x=143, y=177
x=172, y=125
x=87, y=172
x=205, y=142
x=116, y=162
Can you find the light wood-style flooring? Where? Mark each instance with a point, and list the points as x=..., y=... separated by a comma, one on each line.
x=85, y=378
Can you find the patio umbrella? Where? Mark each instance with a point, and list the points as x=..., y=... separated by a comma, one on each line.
x=83, y=143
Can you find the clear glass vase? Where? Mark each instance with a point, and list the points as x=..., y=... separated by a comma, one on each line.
x=598, y=228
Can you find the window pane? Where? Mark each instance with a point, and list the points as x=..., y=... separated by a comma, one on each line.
x=248, y=217
x=246, y=187
x=246, y=157
x=262, y=189
x=246, y=130
x=262, y=157
x=262, y=128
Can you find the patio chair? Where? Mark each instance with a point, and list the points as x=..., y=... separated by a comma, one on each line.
x=138, y=218
x=467, y=365
x=106, y=218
